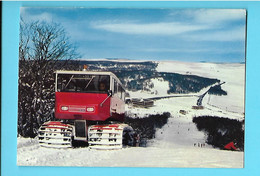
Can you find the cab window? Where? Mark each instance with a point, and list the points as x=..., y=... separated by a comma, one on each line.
x=83, y=83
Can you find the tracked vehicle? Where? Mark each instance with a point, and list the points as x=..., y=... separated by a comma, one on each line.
x=89, y=106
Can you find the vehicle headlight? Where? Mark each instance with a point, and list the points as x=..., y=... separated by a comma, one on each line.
x=90, y=109
x=64, y=108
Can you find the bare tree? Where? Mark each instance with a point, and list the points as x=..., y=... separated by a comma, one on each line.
x=43, y=48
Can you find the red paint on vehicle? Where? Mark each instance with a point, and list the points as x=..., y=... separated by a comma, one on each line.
x=78, y=103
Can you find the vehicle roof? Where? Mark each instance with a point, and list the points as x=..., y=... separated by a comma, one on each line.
x=85, y=72
x=89, y=73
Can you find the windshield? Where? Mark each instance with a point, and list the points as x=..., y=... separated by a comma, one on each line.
x=83, y=83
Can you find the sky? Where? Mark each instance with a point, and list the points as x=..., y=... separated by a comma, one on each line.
x=193, y=35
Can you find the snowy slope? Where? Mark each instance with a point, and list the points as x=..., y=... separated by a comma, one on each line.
x=233, y=74
x=30, y=154
x=178, y=143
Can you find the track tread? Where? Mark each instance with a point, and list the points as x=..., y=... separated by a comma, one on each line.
x=106, y=136
x=55, y=135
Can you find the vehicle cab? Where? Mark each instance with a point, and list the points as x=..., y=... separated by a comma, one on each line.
x=92, y=96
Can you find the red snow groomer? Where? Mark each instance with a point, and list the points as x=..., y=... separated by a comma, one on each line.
x=90, y=108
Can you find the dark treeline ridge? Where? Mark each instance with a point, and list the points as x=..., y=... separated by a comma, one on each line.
x=136, y=75
x=217, y=90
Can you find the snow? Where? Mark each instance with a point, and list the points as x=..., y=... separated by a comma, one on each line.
x=163, y=155
x=176, y=144
x=160, y=86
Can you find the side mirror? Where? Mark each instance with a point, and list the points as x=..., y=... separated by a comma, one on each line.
x=109, y=93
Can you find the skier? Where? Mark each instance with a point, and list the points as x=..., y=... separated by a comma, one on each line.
x=231, y=146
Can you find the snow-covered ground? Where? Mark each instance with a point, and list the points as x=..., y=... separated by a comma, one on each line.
x=166, y=154
x=233, y=74
x=178, y=143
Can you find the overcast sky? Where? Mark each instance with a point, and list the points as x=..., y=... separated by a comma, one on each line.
x=210, y=35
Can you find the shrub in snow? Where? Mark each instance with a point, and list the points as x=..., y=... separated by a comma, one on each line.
x=220, y=131
x=146, y=127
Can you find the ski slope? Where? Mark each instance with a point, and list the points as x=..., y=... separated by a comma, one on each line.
x=164, y=154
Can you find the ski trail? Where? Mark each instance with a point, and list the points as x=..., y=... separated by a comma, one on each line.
x=180, y=131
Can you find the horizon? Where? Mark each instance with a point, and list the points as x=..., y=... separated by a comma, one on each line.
x=142, y=60
x=189, y=35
